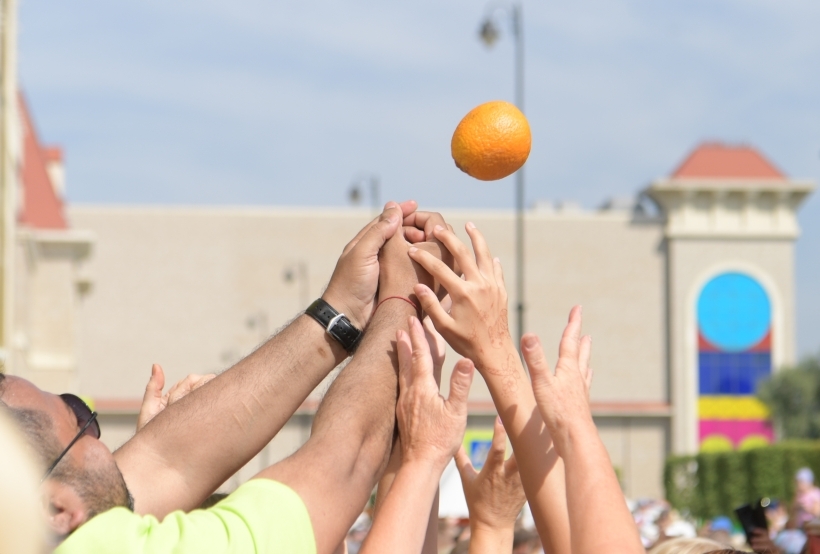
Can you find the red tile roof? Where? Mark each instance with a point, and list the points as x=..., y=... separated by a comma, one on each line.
x=722, y=161
x=42, y=208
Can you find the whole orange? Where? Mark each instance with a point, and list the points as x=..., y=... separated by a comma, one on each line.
x=492, y=141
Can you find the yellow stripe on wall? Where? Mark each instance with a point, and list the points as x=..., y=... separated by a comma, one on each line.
x=732, y=407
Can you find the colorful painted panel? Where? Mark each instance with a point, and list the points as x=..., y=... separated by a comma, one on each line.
x=734, y=354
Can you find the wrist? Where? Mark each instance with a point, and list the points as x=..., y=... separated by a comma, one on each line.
x=425, y=463
x=316, y=333
x=338, y=302
x=497, y=537
x=576, y=435
x=425, y=472
x=499, y=361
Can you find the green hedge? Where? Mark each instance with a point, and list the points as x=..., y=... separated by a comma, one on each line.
x=715, y=483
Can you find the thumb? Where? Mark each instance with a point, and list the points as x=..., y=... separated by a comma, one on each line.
x=464, y=466
x=460, y=382
x=156, y=383
x=382, y=231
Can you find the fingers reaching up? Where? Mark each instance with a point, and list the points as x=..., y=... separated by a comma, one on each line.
x=562, y=397
x=494, y=495
x=431, y=428
x=476, y=324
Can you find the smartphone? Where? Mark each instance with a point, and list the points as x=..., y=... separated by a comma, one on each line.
x=753, y=516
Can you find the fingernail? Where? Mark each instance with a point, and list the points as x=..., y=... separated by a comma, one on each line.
x=438, y=228
x=590, y=339
x=498, y=420
x=530, y=342
x=413, y=250
x=470, y=225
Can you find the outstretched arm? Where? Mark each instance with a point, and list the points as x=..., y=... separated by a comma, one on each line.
x=431, y=429
x=193, y=446
x=336, y=470
x=476, y=327
x=599, y=518
x=438, y=348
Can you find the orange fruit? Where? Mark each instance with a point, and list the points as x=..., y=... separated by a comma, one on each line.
x=492, y=141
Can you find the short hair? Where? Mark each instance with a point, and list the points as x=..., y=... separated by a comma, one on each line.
x=36, y=427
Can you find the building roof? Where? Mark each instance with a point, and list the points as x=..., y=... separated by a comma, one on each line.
x=723, y=161
x=41, y=208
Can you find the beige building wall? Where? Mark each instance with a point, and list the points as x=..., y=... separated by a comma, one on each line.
x=195, y=289
x=49, y=286
x=692, y=263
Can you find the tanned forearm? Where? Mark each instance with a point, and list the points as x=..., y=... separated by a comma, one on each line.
x=194, y=445
x=336, y=470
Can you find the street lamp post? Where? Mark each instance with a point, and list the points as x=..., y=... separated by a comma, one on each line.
x=489, y=34
x=357, y=191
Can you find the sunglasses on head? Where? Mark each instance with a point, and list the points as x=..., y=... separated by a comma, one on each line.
x=86, y=421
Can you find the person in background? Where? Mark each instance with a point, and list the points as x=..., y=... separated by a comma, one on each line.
x=431, y=430
x=494, y=496
x=806, y=506
x=720, y=530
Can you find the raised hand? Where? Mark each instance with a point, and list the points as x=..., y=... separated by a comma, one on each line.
x=599, y=520
x=154, y=401
x=431, y=428
x=563, y=398
x=353, y=285
x=494, y=495
x=476, y=326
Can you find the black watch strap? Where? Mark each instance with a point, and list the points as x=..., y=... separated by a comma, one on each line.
x=337, y=325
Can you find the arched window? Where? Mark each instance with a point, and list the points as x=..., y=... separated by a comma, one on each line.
x=734, y=354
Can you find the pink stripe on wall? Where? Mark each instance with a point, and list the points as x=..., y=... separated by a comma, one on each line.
x=735, y=430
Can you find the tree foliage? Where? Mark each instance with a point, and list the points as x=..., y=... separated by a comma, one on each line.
x=793, y=396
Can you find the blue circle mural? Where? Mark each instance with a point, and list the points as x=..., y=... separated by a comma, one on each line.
x=734, y=312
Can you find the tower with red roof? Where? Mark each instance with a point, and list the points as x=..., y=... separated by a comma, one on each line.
x=730, y=228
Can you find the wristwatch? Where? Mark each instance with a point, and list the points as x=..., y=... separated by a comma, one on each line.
x=337, y=325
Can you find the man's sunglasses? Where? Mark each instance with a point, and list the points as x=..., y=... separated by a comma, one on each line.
x=86, y=420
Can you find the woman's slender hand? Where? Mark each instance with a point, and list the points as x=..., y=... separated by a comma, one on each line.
x=431, y=428
x=476, y=325
x=494, y=495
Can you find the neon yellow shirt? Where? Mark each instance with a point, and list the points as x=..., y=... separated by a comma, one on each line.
x=261, y=516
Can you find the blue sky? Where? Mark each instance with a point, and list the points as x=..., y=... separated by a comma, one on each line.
x=249, y=102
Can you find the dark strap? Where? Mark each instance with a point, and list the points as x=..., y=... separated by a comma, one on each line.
x=340, y=328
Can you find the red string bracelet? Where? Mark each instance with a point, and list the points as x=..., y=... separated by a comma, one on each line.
x=382, y=301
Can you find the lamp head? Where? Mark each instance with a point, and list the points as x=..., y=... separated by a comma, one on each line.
x=488, y=32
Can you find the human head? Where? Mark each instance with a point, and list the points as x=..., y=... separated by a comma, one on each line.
x=87, y=480
x=687, y=546
x=804, y=479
